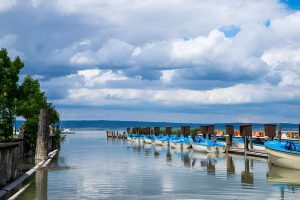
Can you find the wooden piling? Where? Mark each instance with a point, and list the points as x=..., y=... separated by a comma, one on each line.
x=203, y=131
x=211, y=131
x=169, y=130
x=187, y=130
x=41, y=152
x=229, y=134
x=246, y=132
x=279, y=132
x=270, y=131
x=156, y=131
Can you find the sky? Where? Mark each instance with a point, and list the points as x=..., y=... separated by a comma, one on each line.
x=169, y=60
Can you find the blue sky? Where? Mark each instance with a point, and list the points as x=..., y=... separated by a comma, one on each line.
x=180, y=60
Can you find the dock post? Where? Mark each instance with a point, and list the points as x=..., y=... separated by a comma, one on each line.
x=211, y=131
x=229, y=134
x=187, y=131
x=42, y=135
x=169, y=130
x=246, y=132
x=203, y=131
x=182, y=128
x=270, y=131
x=279, y=132
x=156, y=131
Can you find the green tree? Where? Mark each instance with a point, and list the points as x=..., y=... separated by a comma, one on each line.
x=9, y=77
x=30, y=101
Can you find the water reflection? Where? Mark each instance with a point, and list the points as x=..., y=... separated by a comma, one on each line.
x=131, y=170
x=168, y=156
x=185, y=158
x=247, y=177
x=230, y=166
x=278, y=175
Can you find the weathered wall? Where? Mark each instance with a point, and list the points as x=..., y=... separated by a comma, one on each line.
x=10, y=156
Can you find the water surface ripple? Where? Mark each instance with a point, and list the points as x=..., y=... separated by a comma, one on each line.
x=98, y=168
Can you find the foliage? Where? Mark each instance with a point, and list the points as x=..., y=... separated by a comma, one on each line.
x=30, y=132
x=9, y=77
x=24, y=100
x=31, y=98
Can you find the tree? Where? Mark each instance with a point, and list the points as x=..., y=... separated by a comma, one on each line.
x=30, y=101
x=9, y=77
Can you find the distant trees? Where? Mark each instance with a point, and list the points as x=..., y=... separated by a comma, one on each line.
x=24, y=100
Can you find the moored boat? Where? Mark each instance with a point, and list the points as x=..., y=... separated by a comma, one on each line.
x=204, y=146
x=284, y=154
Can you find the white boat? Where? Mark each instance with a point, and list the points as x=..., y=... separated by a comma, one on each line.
x=175, y=144
x=186, y=145
x=259, y=147
x=203, y=147
x=283, y=154
x=158, y=142
x=148, y=141
x=238, y=143
x=67, y=131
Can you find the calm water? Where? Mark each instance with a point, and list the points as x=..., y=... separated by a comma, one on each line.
x=92, y=167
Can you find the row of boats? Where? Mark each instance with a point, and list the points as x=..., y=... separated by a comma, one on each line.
x=284, y=153
x=180, y=142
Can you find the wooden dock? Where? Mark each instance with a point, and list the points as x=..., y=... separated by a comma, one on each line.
x=114, y=134
x=251, y=152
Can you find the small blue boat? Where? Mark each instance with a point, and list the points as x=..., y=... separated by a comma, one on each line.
x=205, y=145
x=284, y=154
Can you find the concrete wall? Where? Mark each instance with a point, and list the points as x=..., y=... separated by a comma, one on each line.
x=10, y=156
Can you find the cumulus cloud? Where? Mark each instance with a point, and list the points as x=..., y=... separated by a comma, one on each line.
x=238, y=94
x=162, y=54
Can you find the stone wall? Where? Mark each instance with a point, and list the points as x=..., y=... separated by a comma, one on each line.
x=10, y=156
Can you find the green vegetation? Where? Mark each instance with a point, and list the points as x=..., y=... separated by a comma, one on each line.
x=23, y=100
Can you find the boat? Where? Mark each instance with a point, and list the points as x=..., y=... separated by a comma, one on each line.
x=67, y=131
x=175, y=144
x=284, y=154
x=129, y=137
x=259, y=147
x=186, y=143
x=221, y=147
x=204, y=146
x=209, y=146
x=238, y=142
x=148, y=139
x=64, y=130
x=158, y=141
x=181, y=142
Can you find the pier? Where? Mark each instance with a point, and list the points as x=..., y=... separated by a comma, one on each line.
x=245, y=133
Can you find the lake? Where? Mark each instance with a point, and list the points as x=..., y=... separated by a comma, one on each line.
x=89, y=166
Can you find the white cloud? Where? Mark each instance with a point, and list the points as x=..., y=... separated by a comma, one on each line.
x=93, y=77
x=113, y=52
x=286, y=58
x=153, y=52
x=6, y=5
x=167, y=75
x=197, y=50
x=238, y=94
x=36, y=3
